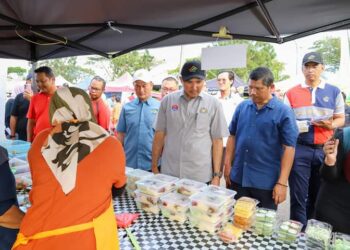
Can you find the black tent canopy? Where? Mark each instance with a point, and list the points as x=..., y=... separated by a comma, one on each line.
x=114, y=27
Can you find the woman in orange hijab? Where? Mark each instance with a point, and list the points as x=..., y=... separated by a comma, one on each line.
x=74, y=166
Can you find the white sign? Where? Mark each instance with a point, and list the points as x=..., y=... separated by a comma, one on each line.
x=224, y=57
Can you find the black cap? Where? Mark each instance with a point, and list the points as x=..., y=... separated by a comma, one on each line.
x=192, y=69
x=312, y=57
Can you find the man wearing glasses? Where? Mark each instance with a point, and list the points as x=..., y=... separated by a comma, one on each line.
x=100, y=108
x=169, y=85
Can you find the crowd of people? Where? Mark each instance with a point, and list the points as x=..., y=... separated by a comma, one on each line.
x=262, y=146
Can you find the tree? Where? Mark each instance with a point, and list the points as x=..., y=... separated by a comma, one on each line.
x=258, y=54
x=68, y=68
x=129, y=62
x=16, y=70
x=330, y=50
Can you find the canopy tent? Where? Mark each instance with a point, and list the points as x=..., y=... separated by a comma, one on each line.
x=111, y=28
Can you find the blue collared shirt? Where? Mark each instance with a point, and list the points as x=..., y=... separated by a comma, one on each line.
x=136, y=121
x=259, y=136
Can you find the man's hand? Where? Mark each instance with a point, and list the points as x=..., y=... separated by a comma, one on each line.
x=327, y=124
x=227, y=170
x=279, y=193
x=330, y=149
x=215, y=181
x=155, y=169
x=27, y=95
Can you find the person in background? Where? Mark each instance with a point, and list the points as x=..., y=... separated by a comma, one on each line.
x=319, y=109
x=229, y=101
x=18, y=120
x=101, y=110
x=134, y=129
x=169, y=85
x=116, y=111
x=8, y=108
x=73, y=180
x=10, y=215
x=189, y=130
x=332, y=204
x=262, y=143
x=347, y=110
x=38, y=112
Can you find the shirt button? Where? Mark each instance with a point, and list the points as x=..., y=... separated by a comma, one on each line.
x=245, y=163
x=256, y=113
x=247, y=150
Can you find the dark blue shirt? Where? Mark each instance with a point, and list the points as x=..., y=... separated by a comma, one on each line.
x=259, y=139
x=136, y=121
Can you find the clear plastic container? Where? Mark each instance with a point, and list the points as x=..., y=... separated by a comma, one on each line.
x=15, y=147
x=128, y=170
x=265, y=220
x=154, y=187
x=318, y=234
x=205, y=226
x=224, y=192
x=230, y=233
x=189, y=187
x=243, y=222
x=175, y=202
x=202, y=215
x=146, y=198
x=166, y=178
x=148, y=208
x=14, y=162
x=170, y=214
x=208, y=202
x=341, y=241
x=245, y=207
x=135, y=175
x=289, y=231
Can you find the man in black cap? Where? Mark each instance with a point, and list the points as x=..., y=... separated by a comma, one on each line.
x=319, y=109
x=189, y=130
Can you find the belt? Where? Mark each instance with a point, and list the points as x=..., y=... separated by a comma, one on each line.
x=105, y=230
x=310, y=144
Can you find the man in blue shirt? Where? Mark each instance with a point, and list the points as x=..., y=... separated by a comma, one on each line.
x=262, y=143
x=135, y=125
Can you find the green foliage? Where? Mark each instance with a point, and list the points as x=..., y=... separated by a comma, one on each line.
x=129, y=62
x=16, y=70
x=68, y=68
x=258, y=54
x=330, y=50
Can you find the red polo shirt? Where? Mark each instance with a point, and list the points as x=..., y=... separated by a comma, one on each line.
x=102, y=113
x=39, y=111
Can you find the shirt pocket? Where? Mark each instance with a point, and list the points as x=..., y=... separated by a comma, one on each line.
x=202, y=122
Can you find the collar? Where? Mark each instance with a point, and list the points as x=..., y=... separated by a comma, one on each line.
x=271, y=104
x=148, y=101
x=322, y=84
x=201, y=94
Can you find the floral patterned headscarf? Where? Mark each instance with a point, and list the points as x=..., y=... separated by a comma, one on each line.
x=71, y=109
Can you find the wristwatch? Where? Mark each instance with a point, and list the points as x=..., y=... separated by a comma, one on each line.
x=218, y=174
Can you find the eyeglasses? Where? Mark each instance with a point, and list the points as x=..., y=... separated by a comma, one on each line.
x=169, y=89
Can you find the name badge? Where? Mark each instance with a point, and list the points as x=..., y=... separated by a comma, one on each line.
x=303, y=126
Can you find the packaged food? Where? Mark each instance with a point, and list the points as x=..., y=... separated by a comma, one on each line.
x=146, y=198
x=170, y=214
x=318, y=234
x=205, y=226
x=230, y=233
x=175, y=202
x=15, y=162
x=289, y=231
x=341, y=241
x=265, y=220
x=153, y=186
x=148, y=208
x=189, y=187
x=166, y=178
x=200, y=214
x=224, y=192
x=243, y=222
x=137, y=174
x=245, y=207
x=208, y=202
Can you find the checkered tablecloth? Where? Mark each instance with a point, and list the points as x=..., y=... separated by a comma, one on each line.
x=157, y=232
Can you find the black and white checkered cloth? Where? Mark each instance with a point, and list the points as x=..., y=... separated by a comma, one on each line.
x=157, y=232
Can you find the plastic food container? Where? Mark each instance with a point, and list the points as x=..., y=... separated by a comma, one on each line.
x=341, y=241
x=14, y=162
x=265, y=220
x=208, y=202
x=146, y=198
x=289, y=231
x=245, y=207
x=230, y=233
x=153, y=187
x=166, y=178
x=318, y=234
x=205, y=226
x=135, y=175
x=202, y=215
x=175, y=202
x=15, y=147
x=228, y=194
x=170, y=214
x=189, y=187
x=147, y=207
